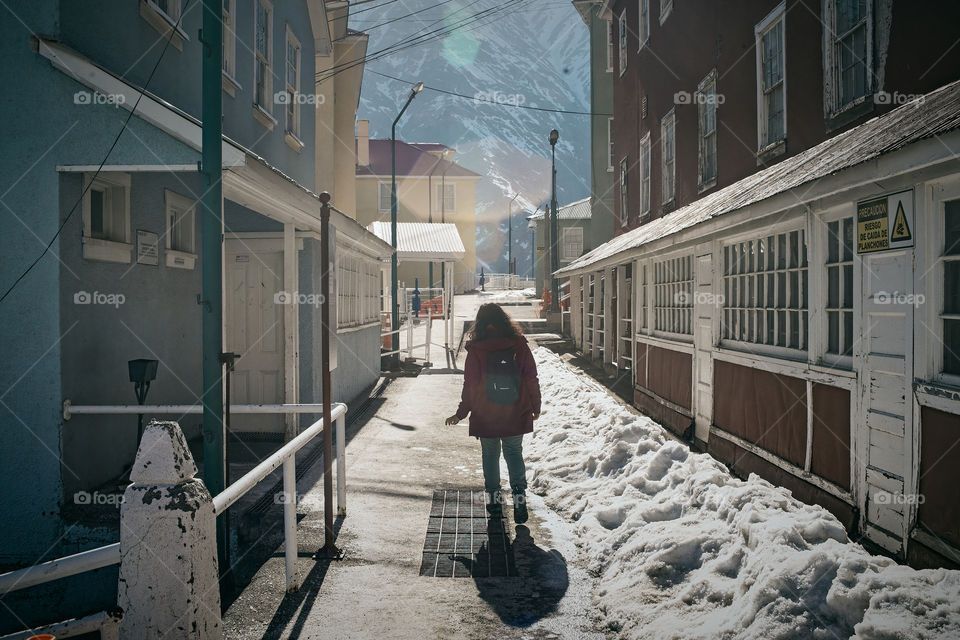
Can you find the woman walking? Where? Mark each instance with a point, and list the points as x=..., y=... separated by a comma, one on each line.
x=501, y=393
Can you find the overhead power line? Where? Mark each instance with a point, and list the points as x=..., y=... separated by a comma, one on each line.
x=478, y=98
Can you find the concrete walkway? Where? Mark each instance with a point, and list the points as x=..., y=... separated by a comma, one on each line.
x=395, y=461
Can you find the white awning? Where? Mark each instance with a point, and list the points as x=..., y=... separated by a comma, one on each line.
x=423, y=241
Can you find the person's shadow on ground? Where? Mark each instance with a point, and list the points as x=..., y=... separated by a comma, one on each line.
x=537, y=578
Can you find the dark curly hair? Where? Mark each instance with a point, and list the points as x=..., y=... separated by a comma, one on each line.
x=493, y=322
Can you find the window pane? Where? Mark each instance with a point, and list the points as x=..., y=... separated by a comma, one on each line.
x=951, y=286
x=833, y=332
x=951, y=346
x=848, y=238
x=833, y=287
x=96, y=213
x=848, y=333
x=833, y=241
x=951, y=225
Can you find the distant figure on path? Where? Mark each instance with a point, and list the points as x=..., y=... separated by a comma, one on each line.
x=501, y=393
x=483, y=280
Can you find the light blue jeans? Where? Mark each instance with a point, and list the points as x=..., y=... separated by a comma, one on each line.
x=512, y=453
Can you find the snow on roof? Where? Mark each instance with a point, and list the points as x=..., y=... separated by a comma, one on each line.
x=422, y=240
x=413, y=159
x=935, y=113
x=579, y=210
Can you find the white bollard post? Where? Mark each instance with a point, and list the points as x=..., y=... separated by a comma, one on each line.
x=342, y=465
x=169, y=584
x=290, y=523
x=426, y=356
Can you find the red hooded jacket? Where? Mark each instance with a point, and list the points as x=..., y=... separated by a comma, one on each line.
x=489, y=420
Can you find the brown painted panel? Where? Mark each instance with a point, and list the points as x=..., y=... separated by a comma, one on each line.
x=766, y=409
x=670, y=375
x=831, y=434
x=660, y=413
x=939, y=474
x=744, y=463
x=641, y=361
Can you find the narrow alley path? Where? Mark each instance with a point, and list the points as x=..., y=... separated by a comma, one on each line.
x=395, y=462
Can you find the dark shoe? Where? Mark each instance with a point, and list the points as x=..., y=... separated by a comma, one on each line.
x=520, y=508
x=494, y=503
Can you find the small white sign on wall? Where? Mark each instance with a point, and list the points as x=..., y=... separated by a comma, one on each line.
x=148, y=248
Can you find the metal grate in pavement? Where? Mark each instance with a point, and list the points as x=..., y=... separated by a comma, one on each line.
x=463, y=541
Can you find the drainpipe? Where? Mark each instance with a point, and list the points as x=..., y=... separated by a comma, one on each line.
x=211, y=264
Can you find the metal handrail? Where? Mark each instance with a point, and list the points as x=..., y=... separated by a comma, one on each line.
x=106, y=622
x=110, y=554
x=70, y=409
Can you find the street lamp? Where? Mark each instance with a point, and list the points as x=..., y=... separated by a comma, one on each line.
x=510, y=235
x=394, y=305
x=554, y=229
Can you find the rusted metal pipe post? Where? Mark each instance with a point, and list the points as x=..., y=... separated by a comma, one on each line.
x=329, y=548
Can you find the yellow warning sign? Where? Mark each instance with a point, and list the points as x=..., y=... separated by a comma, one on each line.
x=885, y=222
x=901, y=230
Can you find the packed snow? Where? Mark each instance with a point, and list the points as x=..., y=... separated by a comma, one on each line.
x=511, y=295
x=683, y=549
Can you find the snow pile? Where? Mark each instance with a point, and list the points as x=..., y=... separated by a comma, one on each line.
x=683, y=549
x=512, y=295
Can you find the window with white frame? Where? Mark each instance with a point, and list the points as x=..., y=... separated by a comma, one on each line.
x=370, y=294
x=358, y=290
x=609, y=45
x=673, y=295
x=165, y=17
x=623, y=192
x=610, y=156
x=292, y=82
x=950, y=260
x=849, y=52
x=571, y=243
x=666, y=6
x=644, y=27
x=668, y=160
x=348, y=289
x=771, y=81
x=707, y=116
x=643, y=297
x=622, y=40
x=645, y=175
x=839, y=307
x=445, y=198
x=765, y=291
x=263, y=56
x=169, y=8
x=383, y=196
x=106, y=207
x=181, y=222
x=228, y=16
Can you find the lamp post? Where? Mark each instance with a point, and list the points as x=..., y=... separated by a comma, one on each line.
x=510, y=235
x=554, y=229
x=394, y=305
x=532, y=225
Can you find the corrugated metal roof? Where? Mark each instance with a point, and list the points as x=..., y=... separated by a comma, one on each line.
x=936, y=113
x=438, y=241
x=579, y=210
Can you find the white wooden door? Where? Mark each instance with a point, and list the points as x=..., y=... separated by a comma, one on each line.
x=884, y=356
x=255, y=329
x=704, y=311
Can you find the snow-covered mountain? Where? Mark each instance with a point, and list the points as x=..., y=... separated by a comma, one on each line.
x=529, y=52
